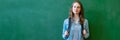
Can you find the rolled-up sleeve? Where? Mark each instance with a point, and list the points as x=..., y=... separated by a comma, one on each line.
x=86, y=26
x=65, y=27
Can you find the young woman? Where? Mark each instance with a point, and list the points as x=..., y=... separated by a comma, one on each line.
x=75, y=27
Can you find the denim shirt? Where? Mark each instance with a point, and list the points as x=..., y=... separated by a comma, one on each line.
x=75, y=32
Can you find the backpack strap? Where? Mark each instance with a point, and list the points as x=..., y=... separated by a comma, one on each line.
x=82, y=25
x=69, y=27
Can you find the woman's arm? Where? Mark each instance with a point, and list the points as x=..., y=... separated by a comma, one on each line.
x=86, y=27
x=65, y=27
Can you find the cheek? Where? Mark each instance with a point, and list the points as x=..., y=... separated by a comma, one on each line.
x=73, y=9
x=79, y=10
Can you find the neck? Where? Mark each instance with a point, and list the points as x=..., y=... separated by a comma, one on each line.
x=76, y=15
x=76, y=18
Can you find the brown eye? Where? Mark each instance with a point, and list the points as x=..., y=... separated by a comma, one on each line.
x=78, y=7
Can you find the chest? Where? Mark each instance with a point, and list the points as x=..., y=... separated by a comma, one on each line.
x=76, y=27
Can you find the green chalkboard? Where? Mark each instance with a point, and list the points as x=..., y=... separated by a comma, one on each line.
x=43, y=19
x=103, y=16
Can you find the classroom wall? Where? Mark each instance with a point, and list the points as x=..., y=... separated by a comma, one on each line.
x=103, y=16
x=43, y=19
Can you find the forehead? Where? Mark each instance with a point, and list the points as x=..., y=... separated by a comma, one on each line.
x=76, y=4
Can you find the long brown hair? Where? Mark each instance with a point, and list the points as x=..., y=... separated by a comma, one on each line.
x=81, y=14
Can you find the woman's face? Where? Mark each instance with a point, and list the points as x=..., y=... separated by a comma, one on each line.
x=76, y=8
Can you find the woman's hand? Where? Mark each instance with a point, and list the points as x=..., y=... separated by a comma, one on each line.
x=66, y=33
x=84, y=32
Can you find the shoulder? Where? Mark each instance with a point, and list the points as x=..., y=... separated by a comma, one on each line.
x=66, y=21
x=85, y=21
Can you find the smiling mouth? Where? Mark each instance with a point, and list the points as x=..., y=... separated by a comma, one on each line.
x=76, y=11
